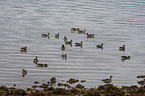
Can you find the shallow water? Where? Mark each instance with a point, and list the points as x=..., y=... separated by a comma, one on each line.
x=114, y=23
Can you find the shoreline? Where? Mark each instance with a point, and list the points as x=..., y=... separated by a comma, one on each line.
x=65, y=89
x=102, y=90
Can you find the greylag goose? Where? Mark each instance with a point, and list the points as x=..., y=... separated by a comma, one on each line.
x=64, y=56
x=65, y=39
x=68, y=42
x=35, y=60
x=90, y=35
x=45, y=35
x=79, y=44
x=57, y=36
x=108, y=80
x=24, y=72
x=125, y=57
x=62, y=48
x=24, y=49
x=74, y=29
x=41, y=65
x=81, y=31
x=122, y=48
x=100, y=46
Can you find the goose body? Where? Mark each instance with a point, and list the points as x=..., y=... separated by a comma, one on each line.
x=62, y=47
x=35, y=60
x=79, y=44
x=109, y=80
x=41, y=65
x=64, y=56
x=74, y=29
x=125, y=57
x=24, y=49
x=100, y=46
x=57, y=36
x=45, y=35
x=24, y=72
x=65, y=39
x=81, y=31
x=68, y=42
x=90, y=35
x=122, y=48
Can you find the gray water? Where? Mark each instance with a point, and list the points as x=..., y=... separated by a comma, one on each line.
x=114, y=23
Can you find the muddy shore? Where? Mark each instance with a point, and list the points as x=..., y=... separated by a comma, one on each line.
x=66, y=89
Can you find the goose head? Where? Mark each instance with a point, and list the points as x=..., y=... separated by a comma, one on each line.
x=111, y=76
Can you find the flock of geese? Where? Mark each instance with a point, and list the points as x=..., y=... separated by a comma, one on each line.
x=80, y=44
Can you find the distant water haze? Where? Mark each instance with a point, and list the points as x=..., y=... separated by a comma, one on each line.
x=114, y=23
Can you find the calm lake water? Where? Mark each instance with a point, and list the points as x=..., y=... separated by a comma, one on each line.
x=114, y=23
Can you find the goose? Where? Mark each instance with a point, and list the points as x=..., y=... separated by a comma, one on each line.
x=57, y=36
x=65, y=39
x=64, y=56
x=125, y=57
x=74, y=29
x=45, y=35
x=41, y=65
x=122, y=48
x=62, y=48
x=79, y=44
x=108, y=80
x=100, y=46
x=68, y=42
x=81, y=31
x=24, y=49
x=90, y=35
x=45, y=65
x=83, y=81
x=24, y=72
x=35, y=60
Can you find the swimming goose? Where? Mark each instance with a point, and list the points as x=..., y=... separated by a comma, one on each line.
x=35, y=60
x=81, y=31
x=100, y=46
x=41, y=65
x=65, y=39
x=125, y=57
x=122, y=48
x=90, y=35
x=79, y=44
x=24, y=72
x=24, y=49
x=108, y=80
x=62, y=48
x=57, y=36
x=74, y=29
x=68, y=42
x=64, y=56
x=45, y=35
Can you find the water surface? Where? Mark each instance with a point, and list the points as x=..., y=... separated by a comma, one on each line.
x=114, y=23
